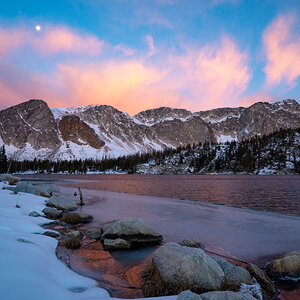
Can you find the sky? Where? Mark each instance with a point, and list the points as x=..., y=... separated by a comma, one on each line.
x=141, y=54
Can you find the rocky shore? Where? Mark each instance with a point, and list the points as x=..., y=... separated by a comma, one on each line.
x=183, y=268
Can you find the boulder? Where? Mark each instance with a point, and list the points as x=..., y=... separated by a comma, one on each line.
x=286, y=266
x=12, y=180
x=188, y=295
x=190, y=243
x=34, y=214
x=106, y=226
x=61, y=203
x=93, y=233
x=76, y=218
x=132, y=230
x=51, y=234
x=52, y=213
x=85, y=218
x=116, y=244
x=39, y=190
x=225, y=295
x=234, y=275
x=190, y=267
x=264, y=281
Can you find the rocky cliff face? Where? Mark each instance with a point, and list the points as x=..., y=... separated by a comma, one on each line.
x=30, y=122
x=32, y=129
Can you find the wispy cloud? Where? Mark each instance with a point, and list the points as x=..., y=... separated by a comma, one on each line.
x=282, y=48
x=50, y=40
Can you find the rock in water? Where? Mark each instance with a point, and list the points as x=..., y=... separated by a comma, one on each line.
x=234, y=275
x=288, y=265
x=116, y=244
x=61, y=203
x=261, y=278
x=52, y=213
x=190, y=267
x=190, y=243
x=133, y=231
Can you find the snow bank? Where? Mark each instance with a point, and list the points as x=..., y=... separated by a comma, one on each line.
x=29, y=268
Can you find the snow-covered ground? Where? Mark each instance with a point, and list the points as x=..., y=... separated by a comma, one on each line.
x=29, y=268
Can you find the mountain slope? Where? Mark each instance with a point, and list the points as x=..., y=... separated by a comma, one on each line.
x=33, y=130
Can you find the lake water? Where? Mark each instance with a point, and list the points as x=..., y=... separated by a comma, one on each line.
x=272, y=193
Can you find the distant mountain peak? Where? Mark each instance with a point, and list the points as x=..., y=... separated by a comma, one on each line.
x=33, y=130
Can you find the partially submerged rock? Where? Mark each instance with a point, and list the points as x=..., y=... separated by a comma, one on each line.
x=116, y=244
x=76, y=218
x=12, y=180
x=61, y=203
x=133, y=231
x=52, y=213
x=286, y=266
x=234, y=275
x=261, y=278
x=190, y=243
x=189, y=267
x=93, y=233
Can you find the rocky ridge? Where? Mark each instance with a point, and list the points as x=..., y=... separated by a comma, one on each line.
x=33, y=130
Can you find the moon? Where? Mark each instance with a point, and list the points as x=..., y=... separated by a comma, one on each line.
x=37, y=27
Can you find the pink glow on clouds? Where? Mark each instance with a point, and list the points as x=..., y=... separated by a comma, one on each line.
x=282, y=48
x=52, y=40
x=208, y=77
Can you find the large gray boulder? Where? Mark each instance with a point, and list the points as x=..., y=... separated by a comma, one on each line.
x=132, y=230
x=61, y=203
x=261, y=278
x=286, y=266
x=234, y=275
x=39, y=190
x=190, y=267
x=12, y=180
x=225, y=295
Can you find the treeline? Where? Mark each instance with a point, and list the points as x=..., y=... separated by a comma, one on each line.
x=278, y=150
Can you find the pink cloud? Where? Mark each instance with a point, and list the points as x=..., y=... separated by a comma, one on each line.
x=201, y=78
x=215, y=75
x=282, y=48
x=49, y=41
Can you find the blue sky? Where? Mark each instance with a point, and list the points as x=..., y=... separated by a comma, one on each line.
x=138, y=54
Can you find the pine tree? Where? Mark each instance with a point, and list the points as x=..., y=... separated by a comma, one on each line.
x=3, y=160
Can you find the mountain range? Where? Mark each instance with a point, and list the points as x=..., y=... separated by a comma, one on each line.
x=33, y=130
